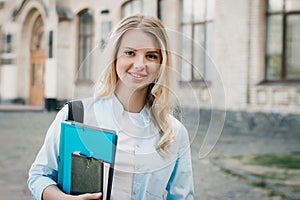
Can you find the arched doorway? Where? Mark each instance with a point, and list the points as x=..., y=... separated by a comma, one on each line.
x=37, y=64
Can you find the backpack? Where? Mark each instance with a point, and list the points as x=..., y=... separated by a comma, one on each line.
x=76, y=111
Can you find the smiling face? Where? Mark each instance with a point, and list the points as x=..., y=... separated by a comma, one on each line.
x=138, y=61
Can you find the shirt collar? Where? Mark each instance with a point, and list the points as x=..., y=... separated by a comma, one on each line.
x=118, y=110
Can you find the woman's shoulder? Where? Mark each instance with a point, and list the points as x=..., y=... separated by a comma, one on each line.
x=90, y=101
x=176, y=123
x=181, y=135
x=178, y=127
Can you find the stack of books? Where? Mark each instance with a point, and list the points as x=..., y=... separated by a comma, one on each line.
x=86, y=159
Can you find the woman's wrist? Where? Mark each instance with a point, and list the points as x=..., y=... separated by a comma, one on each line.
x=52, y=192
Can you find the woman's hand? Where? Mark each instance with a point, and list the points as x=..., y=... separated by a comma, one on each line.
x=93, y=196
x=52, y=192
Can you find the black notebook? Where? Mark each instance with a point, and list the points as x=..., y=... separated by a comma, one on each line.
x=86, y=174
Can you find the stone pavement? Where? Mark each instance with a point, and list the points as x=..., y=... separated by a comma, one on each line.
x=22, y=134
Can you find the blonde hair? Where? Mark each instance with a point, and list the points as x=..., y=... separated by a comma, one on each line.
x=158, y=99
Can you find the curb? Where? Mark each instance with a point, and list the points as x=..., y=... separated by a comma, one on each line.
x=254, y=180
x=20, y=108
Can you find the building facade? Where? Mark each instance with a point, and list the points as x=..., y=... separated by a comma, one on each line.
x=240, y=55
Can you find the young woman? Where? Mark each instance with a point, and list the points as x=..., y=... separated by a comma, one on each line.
x=133, y=98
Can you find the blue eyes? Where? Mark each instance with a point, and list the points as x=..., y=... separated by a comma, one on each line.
x=151, y=56
x=129, y=53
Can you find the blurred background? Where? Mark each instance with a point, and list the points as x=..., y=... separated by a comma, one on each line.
x=237, y=67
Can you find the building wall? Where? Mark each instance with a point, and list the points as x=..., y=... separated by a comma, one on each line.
x=231, y=49
x=11, y=72
x=281, y=97
x=238, y=57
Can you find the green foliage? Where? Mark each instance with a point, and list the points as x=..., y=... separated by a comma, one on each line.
x=288, y=161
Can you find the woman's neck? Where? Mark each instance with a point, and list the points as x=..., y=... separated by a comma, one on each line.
x=132, y=101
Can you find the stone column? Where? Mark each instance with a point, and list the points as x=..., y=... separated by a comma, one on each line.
x=8, y=72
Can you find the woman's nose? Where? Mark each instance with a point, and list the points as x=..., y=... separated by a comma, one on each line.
x=139, y=62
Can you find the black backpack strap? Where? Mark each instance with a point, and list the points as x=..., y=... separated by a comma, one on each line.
x=76, y=112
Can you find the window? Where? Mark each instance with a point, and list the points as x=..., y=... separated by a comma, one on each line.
x=105, y=29
x=8, y=43
x=196, y=43
x=282, y=40
x=50, y=45
x=85, y=38
x=131, y=7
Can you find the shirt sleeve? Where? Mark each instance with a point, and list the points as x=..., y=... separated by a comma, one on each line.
x=43, y=171
x=181, y=185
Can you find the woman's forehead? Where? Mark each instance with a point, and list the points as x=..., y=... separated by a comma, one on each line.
x=138, y=39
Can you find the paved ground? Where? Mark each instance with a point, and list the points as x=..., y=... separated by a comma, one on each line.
x=22, y=134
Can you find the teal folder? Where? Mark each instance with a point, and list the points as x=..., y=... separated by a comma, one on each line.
x=92, y=142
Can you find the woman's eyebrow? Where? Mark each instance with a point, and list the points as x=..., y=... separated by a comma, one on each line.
x=129, y=48
x=154, y=51
x=149, y=50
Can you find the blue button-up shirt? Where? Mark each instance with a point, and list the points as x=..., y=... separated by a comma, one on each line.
x=140, y=171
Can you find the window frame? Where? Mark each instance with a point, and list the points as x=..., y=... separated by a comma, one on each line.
x=86, y=76
x=131, y=6
x=193, y=23
x=283, y=65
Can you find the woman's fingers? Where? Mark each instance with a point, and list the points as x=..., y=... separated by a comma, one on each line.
x=92, y=196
